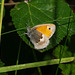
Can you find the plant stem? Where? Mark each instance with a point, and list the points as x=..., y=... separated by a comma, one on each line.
x=38, y=68
x=17, y=62
x=36, y=64
x=68, y=30
x=1, y=16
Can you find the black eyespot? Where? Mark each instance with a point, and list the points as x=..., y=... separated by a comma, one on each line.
x=49, y=28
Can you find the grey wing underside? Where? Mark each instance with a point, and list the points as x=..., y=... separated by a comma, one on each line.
x=35, y=36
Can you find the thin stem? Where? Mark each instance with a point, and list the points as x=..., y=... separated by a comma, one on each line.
x=18, y=56
x=14, y=30
x=35, y=58
x=61, y=53
x=60, y=56
x=14, y=3
x=1, y=16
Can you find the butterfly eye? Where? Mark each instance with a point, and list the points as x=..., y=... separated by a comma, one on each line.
x=49, y=28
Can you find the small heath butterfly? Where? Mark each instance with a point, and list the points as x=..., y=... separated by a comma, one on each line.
x=39, y=35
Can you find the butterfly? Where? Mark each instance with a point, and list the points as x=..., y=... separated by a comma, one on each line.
x=40, y=34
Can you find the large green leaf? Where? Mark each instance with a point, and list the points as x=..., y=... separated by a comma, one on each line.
x=41, y=12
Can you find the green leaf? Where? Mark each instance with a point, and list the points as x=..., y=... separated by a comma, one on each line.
x=68, y=69
x=59, y=51
x=72, y=25
x=35, y=13
x=66, y=51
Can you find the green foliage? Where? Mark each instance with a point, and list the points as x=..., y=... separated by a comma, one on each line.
x=1, y=65
x=43, y=12
x=34, y=13
x=66, y=51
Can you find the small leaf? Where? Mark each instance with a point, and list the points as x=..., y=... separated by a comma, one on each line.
x=35, y=13
x=62, y=51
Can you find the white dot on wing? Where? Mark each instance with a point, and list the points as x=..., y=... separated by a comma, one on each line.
x=42, y=37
